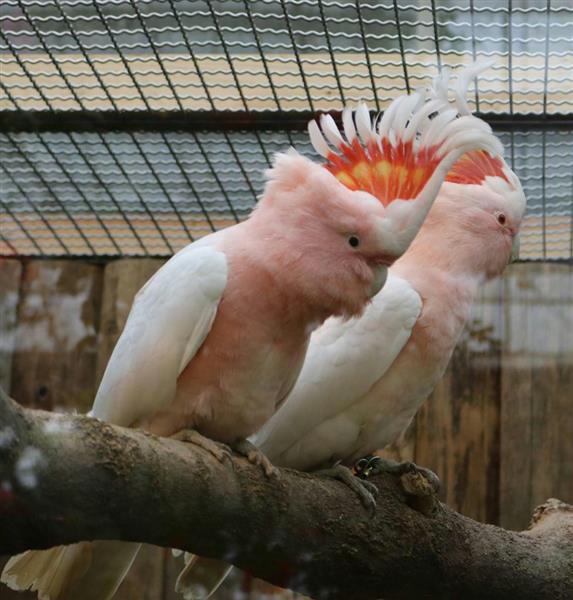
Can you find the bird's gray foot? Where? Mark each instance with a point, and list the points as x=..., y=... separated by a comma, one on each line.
x=365, y=490
x=220, y=451
x=419, y=483
x=255, y=456
x=377, y=464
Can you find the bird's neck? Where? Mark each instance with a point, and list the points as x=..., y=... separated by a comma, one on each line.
x=443, y=249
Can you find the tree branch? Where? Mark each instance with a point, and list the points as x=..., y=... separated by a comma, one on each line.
x=67, y=478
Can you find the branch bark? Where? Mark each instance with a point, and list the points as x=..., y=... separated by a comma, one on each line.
x=66, y=478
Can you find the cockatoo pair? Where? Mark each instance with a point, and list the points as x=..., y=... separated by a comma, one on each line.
x=217, y=338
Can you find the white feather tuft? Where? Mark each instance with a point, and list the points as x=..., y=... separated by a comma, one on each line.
x=317, y=140
x=364, y=123
x=434, y=133
x=330, y=131
x=440, y=85
x=471, y=132
x=386, y=122
x=404, y=112
x=420, y=115
x=348, y=124
x=464, y=78
x=426, y=120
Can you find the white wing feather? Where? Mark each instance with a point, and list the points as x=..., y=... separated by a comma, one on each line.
x=344, y=360
x=170, y=318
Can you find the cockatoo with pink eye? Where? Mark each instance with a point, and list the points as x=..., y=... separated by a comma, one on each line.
x=364, y=378
x=216, y=338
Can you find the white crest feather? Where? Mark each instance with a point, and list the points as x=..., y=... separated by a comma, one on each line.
x=420, y=115
x=464, y=78
x=440, y=85
x=363, y=123
x=425, y=120
x=435, y=132
x=317, y=140
x=330, y=131
x=348, y=124
x=405, y=111
x=468, y=131
x=386, y=122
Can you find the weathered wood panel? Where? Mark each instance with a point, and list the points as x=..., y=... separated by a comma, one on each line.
x=10, y=272
x=537, y=390
x=56, y=340
x=457, y=431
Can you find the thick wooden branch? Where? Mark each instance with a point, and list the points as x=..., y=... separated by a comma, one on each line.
x=69, y=478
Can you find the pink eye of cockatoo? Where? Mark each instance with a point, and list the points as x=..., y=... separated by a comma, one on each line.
x=364, y=378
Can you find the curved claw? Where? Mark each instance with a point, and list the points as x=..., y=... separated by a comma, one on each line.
x=256, y=457
x=220, y=451
x=429, y=475
x=377, y=464
x=365, y=490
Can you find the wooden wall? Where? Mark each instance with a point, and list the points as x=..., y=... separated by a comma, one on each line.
x=498, y=429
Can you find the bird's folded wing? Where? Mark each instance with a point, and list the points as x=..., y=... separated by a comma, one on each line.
x=169, y=320
x=344, y=360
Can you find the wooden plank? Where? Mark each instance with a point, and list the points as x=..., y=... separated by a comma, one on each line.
x=56, y=342
x=537, y=388
x=10, y=272
x=404, y=448
x=47, y=357
x=457, y=429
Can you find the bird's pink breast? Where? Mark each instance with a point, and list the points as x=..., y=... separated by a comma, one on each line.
x=246, y=365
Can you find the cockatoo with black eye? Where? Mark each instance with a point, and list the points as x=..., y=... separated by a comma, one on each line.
x=364, y=378
x=216, y=339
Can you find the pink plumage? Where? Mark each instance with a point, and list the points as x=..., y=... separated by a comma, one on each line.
x=364, y=379
x=216, y=339
x=282, y=295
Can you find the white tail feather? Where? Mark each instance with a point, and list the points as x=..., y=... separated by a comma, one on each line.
x=89, y=570
x=201, y=577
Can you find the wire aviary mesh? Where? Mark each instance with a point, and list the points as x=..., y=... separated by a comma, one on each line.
x=78, y=180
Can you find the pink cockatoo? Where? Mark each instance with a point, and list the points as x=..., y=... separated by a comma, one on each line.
x=216, y=338
x=364, y=378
